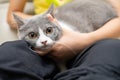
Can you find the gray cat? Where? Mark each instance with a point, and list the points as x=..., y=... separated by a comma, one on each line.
x=42, y=31
x=86, y=15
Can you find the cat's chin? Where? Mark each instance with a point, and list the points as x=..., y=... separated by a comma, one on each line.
x=44, y=48
x=41, y=51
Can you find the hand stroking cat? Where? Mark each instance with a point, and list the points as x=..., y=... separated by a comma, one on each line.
x=45, y=30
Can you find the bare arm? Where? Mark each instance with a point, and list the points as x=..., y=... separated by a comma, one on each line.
x=110, y=29
x=16, y=6
x=78, y=41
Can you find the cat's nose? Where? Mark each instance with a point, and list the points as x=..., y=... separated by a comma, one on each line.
x=44, y=42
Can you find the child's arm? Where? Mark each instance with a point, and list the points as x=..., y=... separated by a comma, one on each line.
x=79, y=41
x=16, y=6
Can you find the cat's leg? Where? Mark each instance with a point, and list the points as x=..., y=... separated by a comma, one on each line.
x=100, y=61
x=19, y=62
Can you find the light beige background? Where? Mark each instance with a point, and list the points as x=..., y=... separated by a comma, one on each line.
x=6, y=34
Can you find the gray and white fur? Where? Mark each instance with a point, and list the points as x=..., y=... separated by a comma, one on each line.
x=41, y=31
x=86, y=15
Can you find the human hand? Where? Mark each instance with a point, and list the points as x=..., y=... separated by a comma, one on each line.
x=70, y=44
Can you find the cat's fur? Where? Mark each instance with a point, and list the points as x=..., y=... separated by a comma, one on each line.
x=86, y=15
x=37, y=27
x=78, y=15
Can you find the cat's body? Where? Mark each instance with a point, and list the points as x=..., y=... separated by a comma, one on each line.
x=85, y=15
x=42, y=31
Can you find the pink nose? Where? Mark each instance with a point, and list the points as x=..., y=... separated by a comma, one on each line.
x=44, y=42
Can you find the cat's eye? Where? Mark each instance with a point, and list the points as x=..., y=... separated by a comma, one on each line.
x=32, y=35
x=49, y=30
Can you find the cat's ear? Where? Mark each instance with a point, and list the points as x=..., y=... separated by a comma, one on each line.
x=50, y=13
x=20, y=21
x=51, y=10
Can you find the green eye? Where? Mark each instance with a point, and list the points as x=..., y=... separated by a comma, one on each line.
x=49, y=30
x=32, y=35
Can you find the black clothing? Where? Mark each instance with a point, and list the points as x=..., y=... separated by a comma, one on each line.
x=100, y=61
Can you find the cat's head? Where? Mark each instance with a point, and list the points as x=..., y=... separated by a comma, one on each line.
x=41, y=31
